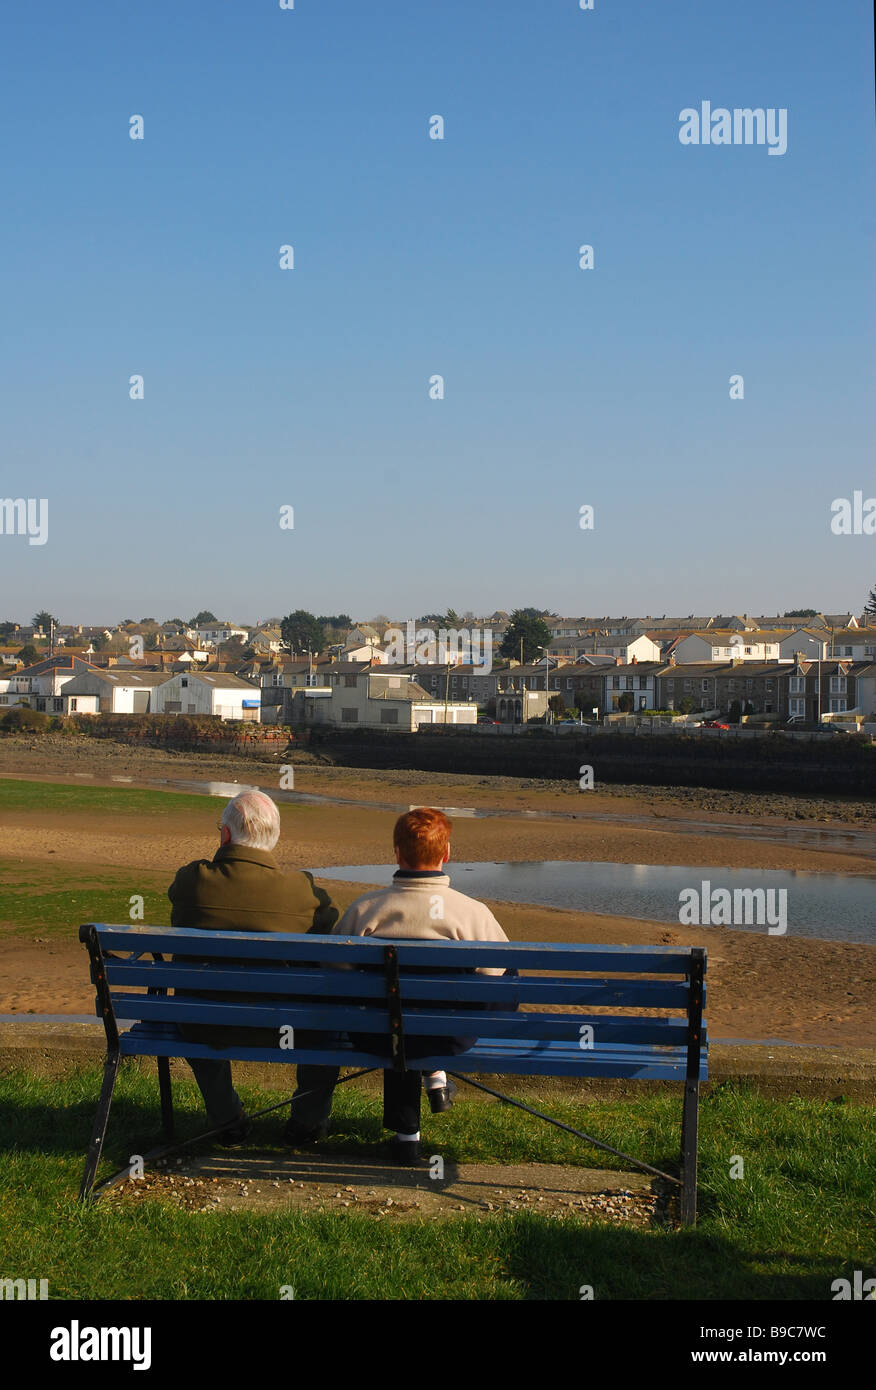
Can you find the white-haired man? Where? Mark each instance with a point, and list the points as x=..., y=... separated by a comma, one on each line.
x=242, y=888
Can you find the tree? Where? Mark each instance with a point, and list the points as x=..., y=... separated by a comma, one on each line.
x=337, y=620
x=800, y=613
x=28, y=654
x=529, y=629
x=870, y=605
x=99, y=642
x=44, y=619
x=735, y=711
x=7, y=629
x=626, y=702
x=202, y=618
x=176, y=622
x=302, y=632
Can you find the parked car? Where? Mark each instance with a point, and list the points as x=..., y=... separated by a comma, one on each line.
x=714, y=724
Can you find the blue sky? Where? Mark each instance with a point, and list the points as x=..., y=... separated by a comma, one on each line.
x=309, y=387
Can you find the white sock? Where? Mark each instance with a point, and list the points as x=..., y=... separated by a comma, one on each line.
x=408, y=1138
x=435, y=1079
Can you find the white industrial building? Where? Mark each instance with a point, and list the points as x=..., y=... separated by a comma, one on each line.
x=208, y=692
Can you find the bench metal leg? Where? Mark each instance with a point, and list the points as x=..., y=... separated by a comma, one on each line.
x=166, y=1092
x=689, y=1153
x=98, y=1133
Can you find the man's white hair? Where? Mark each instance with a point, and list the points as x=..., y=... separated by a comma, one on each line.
x=253, y=819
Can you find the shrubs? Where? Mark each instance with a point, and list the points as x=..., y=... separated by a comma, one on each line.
x=22, y=718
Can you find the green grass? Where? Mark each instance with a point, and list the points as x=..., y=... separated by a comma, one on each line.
x=802, y=1216
x=113, y=801
x=53, y=902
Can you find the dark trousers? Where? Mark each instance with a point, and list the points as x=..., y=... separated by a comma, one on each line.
x=311, y=1104
x=221, y=1101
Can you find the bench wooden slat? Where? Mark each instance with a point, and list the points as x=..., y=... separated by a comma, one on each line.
x=529, y=955
x=435, y=1022
x=500, y=1055
x=539, y=989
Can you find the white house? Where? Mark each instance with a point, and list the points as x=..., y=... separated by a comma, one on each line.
x=117, y=690
x=727, y=645
x=40, y=686
x=213, y=633
x=208, y=692
x=632, y=647
x=637, y=679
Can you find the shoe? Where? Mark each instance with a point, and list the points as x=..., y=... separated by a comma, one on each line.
x=298, y=1137
x=235, y=1134
x=406, y=1153
x=441, y=1097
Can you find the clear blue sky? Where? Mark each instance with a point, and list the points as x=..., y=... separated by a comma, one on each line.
x=309, y=387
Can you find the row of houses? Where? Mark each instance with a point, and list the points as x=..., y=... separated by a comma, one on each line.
x=519, y=693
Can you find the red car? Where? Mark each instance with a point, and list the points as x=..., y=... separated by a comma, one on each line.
x=715, y=724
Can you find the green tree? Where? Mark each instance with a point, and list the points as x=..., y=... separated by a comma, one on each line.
x=800, y=613
x=28, y=654
x=531, y=630
x=336, y=620
x=7, y=630
x=870, y=605
x=43, y=619
x=626, y=702
x=202, y=618
x=302, y=632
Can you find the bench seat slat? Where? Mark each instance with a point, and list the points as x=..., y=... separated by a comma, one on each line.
x=488, y=1055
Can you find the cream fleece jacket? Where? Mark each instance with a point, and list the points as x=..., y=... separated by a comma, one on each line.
x=422, y=909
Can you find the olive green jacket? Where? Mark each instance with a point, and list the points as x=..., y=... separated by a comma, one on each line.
x=244, y=889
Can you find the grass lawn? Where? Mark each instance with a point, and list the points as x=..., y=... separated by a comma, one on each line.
x=56, y=797
x=803, y=1215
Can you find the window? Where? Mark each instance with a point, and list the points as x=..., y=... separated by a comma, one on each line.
x=796, y=685
x=838, y=686
x=796, y=706
x=704, y=685
x=569, y=683
x=350, y=716
x=389, y=716
x=837, y=706
x=748, y=651
x=749, y=683
x=350, y=682
x=184, y=682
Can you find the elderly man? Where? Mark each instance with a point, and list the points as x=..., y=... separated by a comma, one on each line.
x=243, y=888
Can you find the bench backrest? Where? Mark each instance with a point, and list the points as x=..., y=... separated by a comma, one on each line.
x=382, y=987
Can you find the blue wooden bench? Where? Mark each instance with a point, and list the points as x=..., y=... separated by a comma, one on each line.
x=396, y=990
